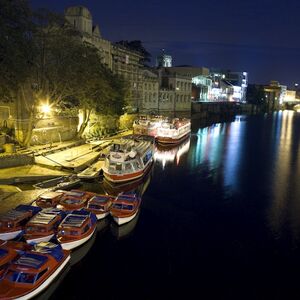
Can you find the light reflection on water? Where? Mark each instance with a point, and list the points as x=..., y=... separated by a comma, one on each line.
x=221, y=215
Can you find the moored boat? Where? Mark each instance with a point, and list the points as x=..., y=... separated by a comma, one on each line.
x=128, y=159
x=74, y=200
x=33, y=271
x=125, y=207
x=92, y=171
x=76, y=229
x=43, y=226
x=100, y=205
x=173, y=132
x=62, y=182
x=146, y=125
x=13, y=222
x=48, y=199
x=7, y=255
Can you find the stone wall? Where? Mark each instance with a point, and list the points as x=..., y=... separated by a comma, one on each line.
x=14, y=160
x=55, y=129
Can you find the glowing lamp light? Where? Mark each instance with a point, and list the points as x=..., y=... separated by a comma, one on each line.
x=45, y=108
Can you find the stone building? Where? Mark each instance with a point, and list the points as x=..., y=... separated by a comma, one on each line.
x=149, y=102
x=175, y=91
x=81, y=18
x=126, y=62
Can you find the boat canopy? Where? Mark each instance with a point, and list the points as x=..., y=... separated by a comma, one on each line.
x=42, y=218
x=31, y=260
x=25, y=208
x=99, y=199
x=74, y=220
x=75, y=193
x=50, y=195
x=55, y=250
x=3, y=252
x=14, y=215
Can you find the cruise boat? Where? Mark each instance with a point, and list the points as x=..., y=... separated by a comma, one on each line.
x=13, y=222
x=48, y=199
x=125, y=207
x=33, y=271
x=100, y=205
x=76, y=229
x=173, y=132
x=74, y=200
x=43, y=226
x=128, y=159
x=147, y=125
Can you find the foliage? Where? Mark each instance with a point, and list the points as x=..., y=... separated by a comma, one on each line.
x=255, y=94
x=43, y=60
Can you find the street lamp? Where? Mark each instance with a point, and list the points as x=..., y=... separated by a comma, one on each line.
x=45, y=108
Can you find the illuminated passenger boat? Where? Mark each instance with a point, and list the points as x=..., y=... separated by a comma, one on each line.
x=76, y=229
x=13, y=222
x=43, y=226
x=173, y=132
x=48, y=199
x=147, y=125
x=74, y=199
x=33, y=271
x=128, y=159
x=100, y=205
x=125, y=207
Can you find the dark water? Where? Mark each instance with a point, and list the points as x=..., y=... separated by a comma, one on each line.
x=220, y=219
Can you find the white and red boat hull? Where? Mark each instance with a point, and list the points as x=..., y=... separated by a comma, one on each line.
x=77, y=243
x=36, y=240
x=123, y=220
x=46, y=283
x=5, y=236
x=127, y=176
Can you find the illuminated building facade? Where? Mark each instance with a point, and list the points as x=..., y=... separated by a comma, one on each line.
x=228, y=86
x=275, y=94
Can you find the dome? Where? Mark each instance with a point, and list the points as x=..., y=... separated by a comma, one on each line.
x=78, y=11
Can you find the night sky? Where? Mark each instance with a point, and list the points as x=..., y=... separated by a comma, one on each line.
x=257, y=36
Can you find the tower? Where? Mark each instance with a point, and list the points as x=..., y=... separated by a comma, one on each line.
x=163, y=60
x=81, y=18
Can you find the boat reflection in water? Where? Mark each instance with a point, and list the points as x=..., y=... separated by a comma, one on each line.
x=124, y=231
x=48, y=293
x=170, y=154
x=135, y=185
x=79, y=253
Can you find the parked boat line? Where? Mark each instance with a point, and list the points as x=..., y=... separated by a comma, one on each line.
x=76, y=229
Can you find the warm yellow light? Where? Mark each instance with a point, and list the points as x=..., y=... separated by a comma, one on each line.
x=45, y=108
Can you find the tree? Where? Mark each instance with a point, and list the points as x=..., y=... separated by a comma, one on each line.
x=53, y=66
x=255, y=94
x=137, y=46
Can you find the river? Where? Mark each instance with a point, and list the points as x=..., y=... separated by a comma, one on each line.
x=220, y=219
